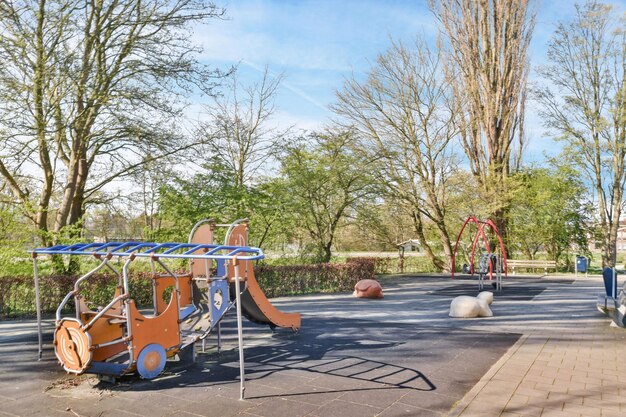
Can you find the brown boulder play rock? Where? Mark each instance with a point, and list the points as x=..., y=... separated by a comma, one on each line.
x=368, y=288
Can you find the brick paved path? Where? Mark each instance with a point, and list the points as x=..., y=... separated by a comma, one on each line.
x=573, y=367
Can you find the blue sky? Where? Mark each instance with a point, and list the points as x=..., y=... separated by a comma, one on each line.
x=317, y=44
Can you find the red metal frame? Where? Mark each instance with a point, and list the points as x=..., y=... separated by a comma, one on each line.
x=481, y=232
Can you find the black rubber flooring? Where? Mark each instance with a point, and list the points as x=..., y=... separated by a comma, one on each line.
x=333, y=366
x=509, y=291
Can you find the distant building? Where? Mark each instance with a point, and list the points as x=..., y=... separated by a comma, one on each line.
x=409, y=245
x=620, y=242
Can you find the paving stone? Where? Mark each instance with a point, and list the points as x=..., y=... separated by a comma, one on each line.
x=282, y=407
x=311, y=394
x=347, y=409
x=525, y=410
x=23, y=389
x=380, y=398
x=216, y=406
x=405, y=410
x=428, y=400
x=37, y=405
x=583, y=410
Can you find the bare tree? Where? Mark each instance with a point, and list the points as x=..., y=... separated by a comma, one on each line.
x=85, y=88
x=488, y=42
x=403, y=113
x=585, y=106
x=239, y=131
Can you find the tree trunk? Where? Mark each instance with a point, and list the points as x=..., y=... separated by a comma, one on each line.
x=327, y=253
x=39, y=83
x=501, y=220
x=444, y=237
x=611, y=251
x=419, y=230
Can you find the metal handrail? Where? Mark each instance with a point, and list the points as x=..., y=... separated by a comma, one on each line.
x=75, y=291
x=103, y=311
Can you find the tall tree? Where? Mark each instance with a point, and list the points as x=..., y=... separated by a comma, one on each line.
x=210, y=193
x=549, y=212
x=488, y=42
x=90, y=91
x=325, y=178
x=585, y=107
x=239, y=132
x=405, y=118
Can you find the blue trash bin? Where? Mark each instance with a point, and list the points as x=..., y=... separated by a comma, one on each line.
x=610, y=282
x=581, y=264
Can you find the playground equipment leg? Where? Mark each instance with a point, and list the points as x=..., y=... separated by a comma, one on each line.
x=129, y=328
x=240, y=333
x=38, y=307
x=219, y=337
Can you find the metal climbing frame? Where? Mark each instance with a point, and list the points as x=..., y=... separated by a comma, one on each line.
x=138, y=337
x=480, y=233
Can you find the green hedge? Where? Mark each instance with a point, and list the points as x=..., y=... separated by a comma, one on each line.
x=412, y=264
x=283, y=280
x=17, y=294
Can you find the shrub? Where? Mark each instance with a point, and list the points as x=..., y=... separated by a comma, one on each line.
x=326, y=277
x=412, y=264
x=17, y=294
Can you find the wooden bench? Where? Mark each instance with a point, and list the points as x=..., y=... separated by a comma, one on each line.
x=512, y=264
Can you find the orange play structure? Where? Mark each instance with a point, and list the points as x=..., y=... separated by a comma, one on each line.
x=256, y=307
x=121, y=338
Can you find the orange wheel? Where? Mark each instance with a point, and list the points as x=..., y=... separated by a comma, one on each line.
x=72, y=345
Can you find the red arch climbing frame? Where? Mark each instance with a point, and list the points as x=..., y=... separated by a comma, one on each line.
x=480, y=224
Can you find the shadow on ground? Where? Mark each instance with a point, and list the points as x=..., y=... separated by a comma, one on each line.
x=348, y=365
x=345, y=354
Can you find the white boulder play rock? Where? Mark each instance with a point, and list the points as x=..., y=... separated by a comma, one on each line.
x=465, y=306
x=486, y=295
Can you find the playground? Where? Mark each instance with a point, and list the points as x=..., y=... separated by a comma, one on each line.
x=546, y=350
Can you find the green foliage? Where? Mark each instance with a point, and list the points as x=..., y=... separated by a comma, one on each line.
x=273, y=224
x=377, y=225
x=548, y=213
x=410, y=265
x=213, y=193
x=14, y=261
x=15, y=239
x=584, y=106
x=66, y=265
x=210, y=193
x=325, y=179
x=17, y=294
x=324, y=277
